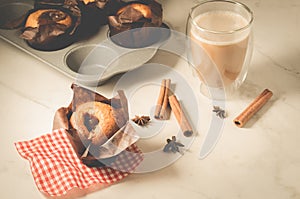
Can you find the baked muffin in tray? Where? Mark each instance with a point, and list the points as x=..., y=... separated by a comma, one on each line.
x=51, y=24
x=136, y=24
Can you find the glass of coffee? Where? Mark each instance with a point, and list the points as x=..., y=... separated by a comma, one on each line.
x=220, y=45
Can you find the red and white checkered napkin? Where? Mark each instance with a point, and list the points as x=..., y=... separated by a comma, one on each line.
x=56, y=168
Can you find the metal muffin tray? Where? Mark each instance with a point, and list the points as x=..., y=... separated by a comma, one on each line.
x=91, y=61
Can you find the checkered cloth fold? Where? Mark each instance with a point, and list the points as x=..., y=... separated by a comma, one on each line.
x=56, y=168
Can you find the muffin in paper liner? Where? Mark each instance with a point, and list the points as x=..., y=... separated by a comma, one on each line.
x=97, y=127
x=136, y=24
x=51, y=25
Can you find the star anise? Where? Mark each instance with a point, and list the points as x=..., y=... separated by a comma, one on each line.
x=141, y=120
x=219, y=112
x=172, y=145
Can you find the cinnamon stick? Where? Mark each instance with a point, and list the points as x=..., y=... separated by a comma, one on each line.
x=180, y=116
x=163, y=111
x=254, y=107
x=162, y=101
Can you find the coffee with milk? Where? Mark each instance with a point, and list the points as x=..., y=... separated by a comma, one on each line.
x=213, y=33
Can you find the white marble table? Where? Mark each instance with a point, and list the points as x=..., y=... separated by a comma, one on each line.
x=261, y=160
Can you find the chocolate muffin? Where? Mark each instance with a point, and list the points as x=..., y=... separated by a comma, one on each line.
x=51, y=24
x=90, y=120
x=136, y=24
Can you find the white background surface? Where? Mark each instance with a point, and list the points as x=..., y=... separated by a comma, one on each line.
x=261, y=160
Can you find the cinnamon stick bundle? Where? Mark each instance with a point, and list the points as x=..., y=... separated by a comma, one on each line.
x=162, y=101
x=180, y=116
x=254, y=107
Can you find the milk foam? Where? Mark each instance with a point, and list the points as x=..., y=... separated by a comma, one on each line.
x=219, y=21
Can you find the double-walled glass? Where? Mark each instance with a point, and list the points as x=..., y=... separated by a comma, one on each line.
x=220, y=45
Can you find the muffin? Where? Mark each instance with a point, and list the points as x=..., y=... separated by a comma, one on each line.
x=136, y=24
x=97, y=121
x=90, y=120
x=51, y=24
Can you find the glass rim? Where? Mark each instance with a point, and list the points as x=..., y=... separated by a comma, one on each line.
x=222, y=32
